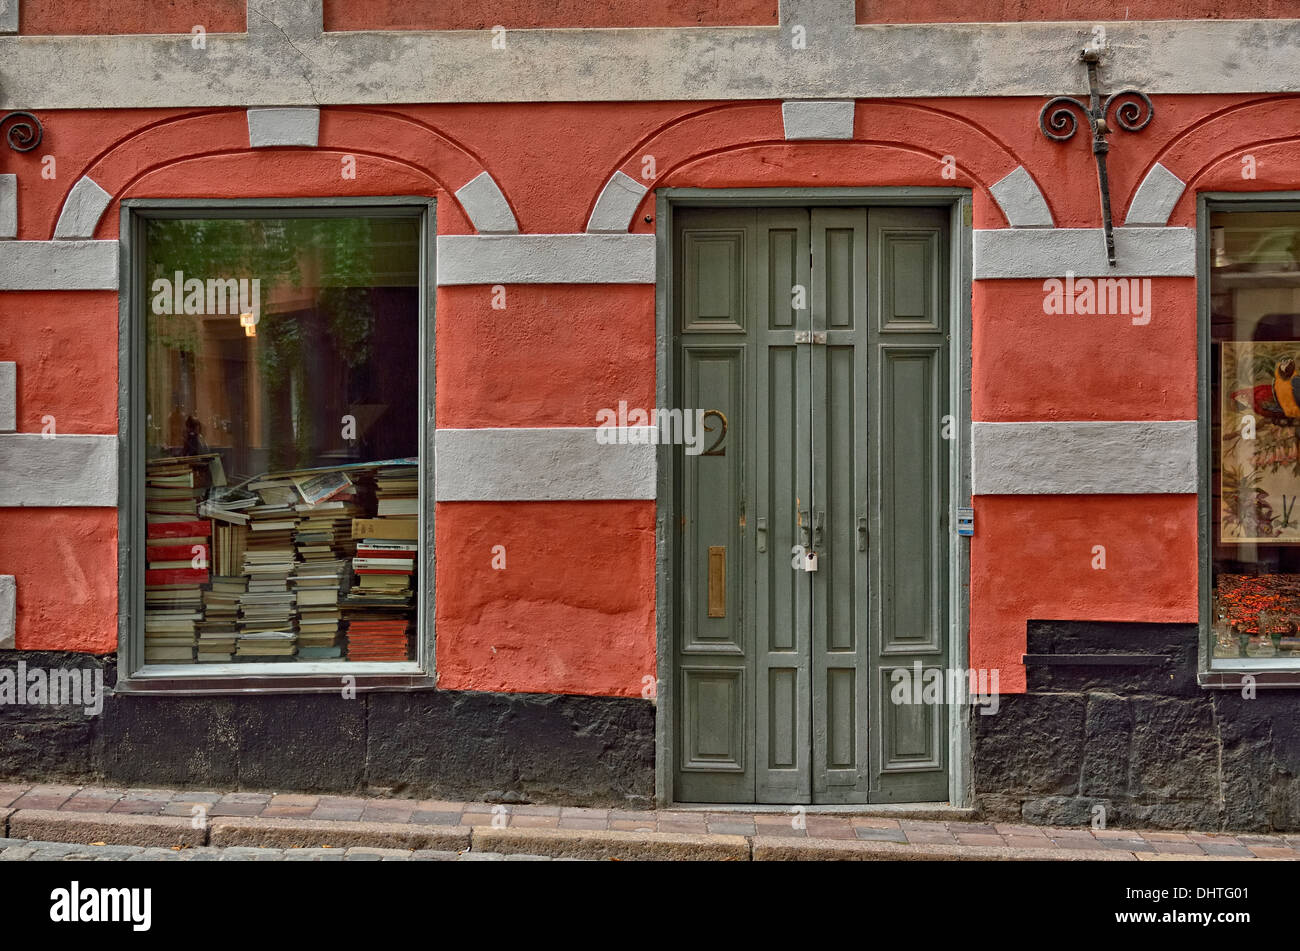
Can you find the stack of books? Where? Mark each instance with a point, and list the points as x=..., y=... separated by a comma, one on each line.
x=316, y=588
x=178, y=551
x=381, y=636
x=218, y=631
x=267, y=606
x=261, y=646
x=229, y=542
x=378, y=608
x=397, y=491
x=175, y=485
x=323, y=539
x=173, y=583
x=309, y=565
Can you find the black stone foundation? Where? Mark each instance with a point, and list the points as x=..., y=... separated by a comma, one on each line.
x=1146, y=743
x=434, y=744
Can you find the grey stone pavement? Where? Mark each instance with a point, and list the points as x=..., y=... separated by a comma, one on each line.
x=22, y=850
x=78, y=823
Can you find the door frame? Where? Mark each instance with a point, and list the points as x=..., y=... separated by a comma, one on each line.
x=961, y=243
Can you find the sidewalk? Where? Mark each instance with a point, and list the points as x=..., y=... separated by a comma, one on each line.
x=190, y=819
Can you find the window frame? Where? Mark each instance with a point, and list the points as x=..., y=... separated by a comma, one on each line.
x=1224, y=673
x=303, y=677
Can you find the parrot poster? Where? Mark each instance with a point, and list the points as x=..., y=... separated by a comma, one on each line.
x=1259, y=458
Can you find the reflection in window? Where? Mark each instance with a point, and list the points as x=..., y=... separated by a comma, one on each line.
x=282, y=432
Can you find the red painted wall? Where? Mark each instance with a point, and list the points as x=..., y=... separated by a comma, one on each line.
x=488, y=366
x=91, y=17
x=64, y=562
x=86, y=17
x=1028, y=365
x=574, y=611
x=1088, y=11
x=65, y=345
x=541, y=14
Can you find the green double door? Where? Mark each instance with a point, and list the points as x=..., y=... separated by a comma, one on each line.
x=820, y=335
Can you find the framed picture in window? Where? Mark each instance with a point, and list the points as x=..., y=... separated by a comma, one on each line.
x=1260, y=442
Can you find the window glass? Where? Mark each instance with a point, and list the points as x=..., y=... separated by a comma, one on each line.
x=282, y=411
x=1255, y=434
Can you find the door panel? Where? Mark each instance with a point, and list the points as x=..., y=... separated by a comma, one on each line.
x=715, y=707
x=909, y=370
x=714, y=710
x=840, y=412
x=821, y=334
x=714, y=377
x=715, y=273
x=782, y=492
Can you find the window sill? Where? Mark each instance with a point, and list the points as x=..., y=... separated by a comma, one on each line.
x=1267, y=672
x=183, y=680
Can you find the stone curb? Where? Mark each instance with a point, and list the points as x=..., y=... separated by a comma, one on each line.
x=45, y=825
x=288, y=833
x=613, y=844
x=1180, y=857
x=909, y=812
x=786, y=849
x=40, y=825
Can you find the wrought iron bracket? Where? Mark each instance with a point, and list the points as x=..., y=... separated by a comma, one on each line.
x=1133, y=110
x=24, y=131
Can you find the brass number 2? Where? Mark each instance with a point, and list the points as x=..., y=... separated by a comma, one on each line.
x=714, y=450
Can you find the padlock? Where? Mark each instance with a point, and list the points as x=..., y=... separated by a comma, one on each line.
x=810, y=561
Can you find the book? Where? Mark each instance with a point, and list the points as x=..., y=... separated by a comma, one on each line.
x=196, y=550
x=267, y=525
x=317, y=596
x=225, y=515
x=319, y=488
x=383, y=559
x=175, y=576
x=393, y=529
x=197, y=528
x=378, y=544
x=171, y=655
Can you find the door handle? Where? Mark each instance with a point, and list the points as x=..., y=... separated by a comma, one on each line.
x=760, y=531
x=819, y=522
x=862, y=533
x=803, y=529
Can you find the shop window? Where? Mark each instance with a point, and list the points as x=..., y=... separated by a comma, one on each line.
x=277, y=440
x=1254, y=438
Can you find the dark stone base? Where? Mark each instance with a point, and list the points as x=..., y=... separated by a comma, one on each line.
x=1146, y=744
x=421, y=744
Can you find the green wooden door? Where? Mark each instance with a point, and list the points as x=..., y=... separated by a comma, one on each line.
x=820, y=335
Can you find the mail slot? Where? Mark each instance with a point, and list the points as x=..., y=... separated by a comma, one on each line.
x=717, y=581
